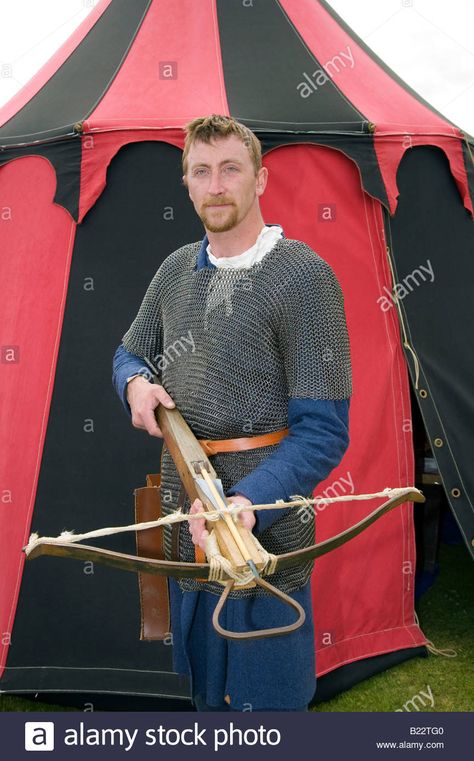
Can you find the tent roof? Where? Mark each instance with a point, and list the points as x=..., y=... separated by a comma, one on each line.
x=289, y=69
x=222, y=56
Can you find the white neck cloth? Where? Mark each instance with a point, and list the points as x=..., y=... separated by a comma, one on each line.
x=267, y=238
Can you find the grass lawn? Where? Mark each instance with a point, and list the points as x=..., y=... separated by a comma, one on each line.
x=446, y=614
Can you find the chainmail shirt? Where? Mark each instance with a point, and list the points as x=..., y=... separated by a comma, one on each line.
x=232, y=346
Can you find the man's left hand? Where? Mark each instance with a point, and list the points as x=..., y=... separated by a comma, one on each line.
x=247, y=519
x=198, y=528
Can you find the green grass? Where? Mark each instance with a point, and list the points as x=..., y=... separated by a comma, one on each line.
x=13, y=703
x=446, y=616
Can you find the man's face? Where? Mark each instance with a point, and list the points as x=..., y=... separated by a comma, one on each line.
x=222, y=183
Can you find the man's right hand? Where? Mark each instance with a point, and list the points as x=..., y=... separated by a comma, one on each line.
x=143, y=398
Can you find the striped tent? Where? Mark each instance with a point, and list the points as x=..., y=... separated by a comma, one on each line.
x=91, y=201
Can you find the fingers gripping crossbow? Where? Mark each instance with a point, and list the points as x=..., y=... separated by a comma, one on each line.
x=235, y=557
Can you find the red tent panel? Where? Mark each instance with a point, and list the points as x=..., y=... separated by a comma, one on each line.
x=363, y=592
x=36, y=240
x=175, y=66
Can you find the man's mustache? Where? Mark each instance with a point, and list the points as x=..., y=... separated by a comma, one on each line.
x=218, y=203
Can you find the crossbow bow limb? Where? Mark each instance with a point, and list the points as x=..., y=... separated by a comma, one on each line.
x=237, y=560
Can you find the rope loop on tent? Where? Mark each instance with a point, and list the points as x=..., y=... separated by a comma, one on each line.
x=445, y=653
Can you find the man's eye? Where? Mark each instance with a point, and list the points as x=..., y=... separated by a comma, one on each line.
x=200, y=172
x=230, y=169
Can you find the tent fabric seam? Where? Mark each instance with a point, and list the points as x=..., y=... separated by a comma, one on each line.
x=368, y=655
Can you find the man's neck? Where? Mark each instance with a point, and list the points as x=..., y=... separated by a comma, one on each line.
x=235, y=241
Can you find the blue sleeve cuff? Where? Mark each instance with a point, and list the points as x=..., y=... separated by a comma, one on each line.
x=126, y=364
x=262, y=489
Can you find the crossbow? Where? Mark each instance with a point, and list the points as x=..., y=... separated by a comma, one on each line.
x=235, y=557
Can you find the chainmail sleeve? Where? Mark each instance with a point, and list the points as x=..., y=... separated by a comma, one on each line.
x=312, y=330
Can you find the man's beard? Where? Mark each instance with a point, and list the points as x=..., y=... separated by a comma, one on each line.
x=226, y=223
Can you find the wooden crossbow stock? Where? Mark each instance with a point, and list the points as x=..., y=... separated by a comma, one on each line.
x=237, y=560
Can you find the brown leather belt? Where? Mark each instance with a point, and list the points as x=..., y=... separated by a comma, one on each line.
x=218, y=446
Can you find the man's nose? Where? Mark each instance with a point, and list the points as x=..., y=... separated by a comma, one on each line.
x=216, y=185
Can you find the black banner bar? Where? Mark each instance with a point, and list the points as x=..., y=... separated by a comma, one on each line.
x=238, y=735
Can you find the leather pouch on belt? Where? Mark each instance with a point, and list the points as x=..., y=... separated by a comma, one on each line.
x=154, y=596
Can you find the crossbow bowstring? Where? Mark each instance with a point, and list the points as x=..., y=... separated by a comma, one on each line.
x=209, y=515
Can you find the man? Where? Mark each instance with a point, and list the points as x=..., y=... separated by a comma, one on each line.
x=260, y=345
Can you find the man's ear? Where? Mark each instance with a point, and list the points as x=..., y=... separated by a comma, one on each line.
x=185, y=183
x=262, y=178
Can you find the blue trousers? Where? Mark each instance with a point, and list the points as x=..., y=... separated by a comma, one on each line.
x=273, y=673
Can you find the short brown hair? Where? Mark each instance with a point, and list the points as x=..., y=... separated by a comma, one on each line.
x=207, y=128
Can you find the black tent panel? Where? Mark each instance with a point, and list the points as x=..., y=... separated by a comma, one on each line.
x=93, y=459
x=265, y=60
x=345, y=677
x=432, y=244
x=65, y=156
x=74, y=90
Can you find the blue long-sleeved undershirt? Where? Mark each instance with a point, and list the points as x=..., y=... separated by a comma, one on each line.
x=318, y=437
